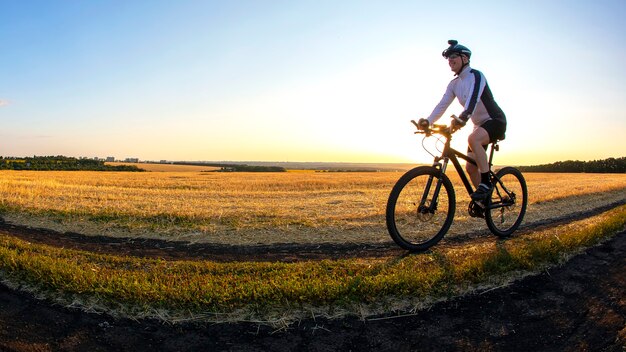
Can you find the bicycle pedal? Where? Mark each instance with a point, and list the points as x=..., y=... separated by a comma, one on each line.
x=476, y=209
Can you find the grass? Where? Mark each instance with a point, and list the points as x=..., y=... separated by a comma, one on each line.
x=272, y=208
x=248, y=290
x=251, y=207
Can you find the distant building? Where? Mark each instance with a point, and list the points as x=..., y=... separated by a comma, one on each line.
x=110, y=159
x=132, y=160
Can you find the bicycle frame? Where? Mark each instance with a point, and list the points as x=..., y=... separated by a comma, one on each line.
x=451, y=154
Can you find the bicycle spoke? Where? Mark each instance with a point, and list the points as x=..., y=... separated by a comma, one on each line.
x=506, y=211
x=420, y=208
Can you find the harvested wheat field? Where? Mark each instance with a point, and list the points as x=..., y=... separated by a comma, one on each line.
x=285, y=252
x=256, y=208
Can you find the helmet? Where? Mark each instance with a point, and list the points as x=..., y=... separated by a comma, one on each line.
x=455, y=47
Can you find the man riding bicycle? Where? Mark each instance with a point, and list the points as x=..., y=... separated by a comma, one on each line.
x=472, y=91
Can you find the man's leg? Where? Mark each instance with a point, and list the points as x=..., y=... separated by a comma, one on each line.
x=476, y=141
x=472, y=171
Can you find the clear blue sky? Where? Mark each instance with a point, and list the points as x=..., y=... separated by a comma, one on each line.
x=303, y=80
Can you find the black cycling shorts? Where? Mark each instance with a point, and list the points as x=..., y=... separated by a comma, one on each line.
x=496, y=130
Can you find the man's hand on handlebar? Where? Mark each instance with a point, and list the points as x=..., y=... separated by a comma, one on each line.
x=423, y=124
x=456, y=123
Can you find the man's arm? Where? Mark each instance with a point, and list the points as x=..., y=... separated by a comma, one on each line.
x=476, y=91
x=443, y=105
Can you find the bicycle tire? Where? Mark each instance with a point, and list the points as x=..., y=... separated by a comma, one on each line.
x=503, y=220
x=411, y=228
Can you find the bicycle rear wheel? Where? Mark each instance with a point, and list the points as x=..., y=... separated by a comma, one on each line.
x=420, y=208
x=509, y=199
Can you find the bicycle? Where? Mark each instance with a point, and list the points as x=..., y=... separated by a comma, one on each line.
x=422, y=203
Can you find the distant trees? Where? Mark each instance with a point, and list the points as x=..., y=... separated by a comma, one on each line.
x=59, y=162
x=248, y=168
x=235, y=167
x=610, y=165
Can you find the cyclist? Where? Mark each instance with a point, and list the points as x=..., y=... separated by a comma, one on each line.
x=472, y=91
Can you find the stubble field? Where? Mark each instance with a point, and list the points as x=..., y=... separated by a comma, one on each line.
x=296, y=211
x=254, y=208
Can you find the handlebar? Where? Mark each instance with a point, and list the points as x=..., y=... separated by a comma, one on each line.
x=438, y=129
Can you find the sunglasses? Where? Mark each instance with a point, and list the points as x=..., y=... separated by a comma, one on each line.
x=453, y=56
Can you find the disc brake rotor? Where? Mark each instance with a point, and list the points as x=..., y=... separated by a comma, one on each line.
x=423, y=212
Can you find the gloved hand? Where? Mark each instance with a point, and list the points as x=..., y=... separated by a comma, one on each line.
x=423, y=124
x=456, y=122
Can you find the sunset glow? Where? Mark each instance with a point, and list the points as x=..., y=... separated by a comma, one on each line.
x=304, y=80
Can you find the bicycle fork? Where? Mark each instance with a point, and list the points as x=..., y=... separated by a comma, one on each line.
x=433, y=203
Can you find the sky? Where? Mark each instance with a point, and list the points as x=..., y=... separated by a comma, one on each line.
x=323, y=80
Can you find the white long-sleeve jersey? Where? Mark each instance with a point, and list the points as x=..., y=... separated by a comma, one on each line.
x=472, y=91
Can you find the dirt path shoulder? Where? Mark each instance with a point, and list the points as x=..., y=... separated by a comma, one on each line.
x=282, y=252
x=580, y=306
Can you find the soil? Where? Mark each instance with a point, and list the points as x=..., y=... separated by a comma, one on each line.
x=580, y=306
x=285, y=252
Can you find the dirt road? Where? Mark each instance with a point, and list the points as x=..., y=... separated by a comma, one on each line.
x=580, y=306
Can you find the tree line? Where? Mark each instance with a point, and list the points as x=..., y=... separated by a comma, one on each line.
x=59, y=162
x=235, y=167
x=250, y=168
x=610, y=165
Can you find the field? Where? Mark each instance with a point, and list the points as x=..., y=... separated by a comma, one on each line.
x=255, y=208
x=267, y=209
x=271, y=247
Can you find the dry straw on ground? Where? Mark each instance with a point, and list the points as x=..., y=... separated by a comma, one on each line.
x=256, y=207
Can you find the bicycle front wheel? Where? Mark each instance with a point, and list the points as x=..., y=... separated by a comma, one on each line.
x=509, y=199
x=420, y=208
